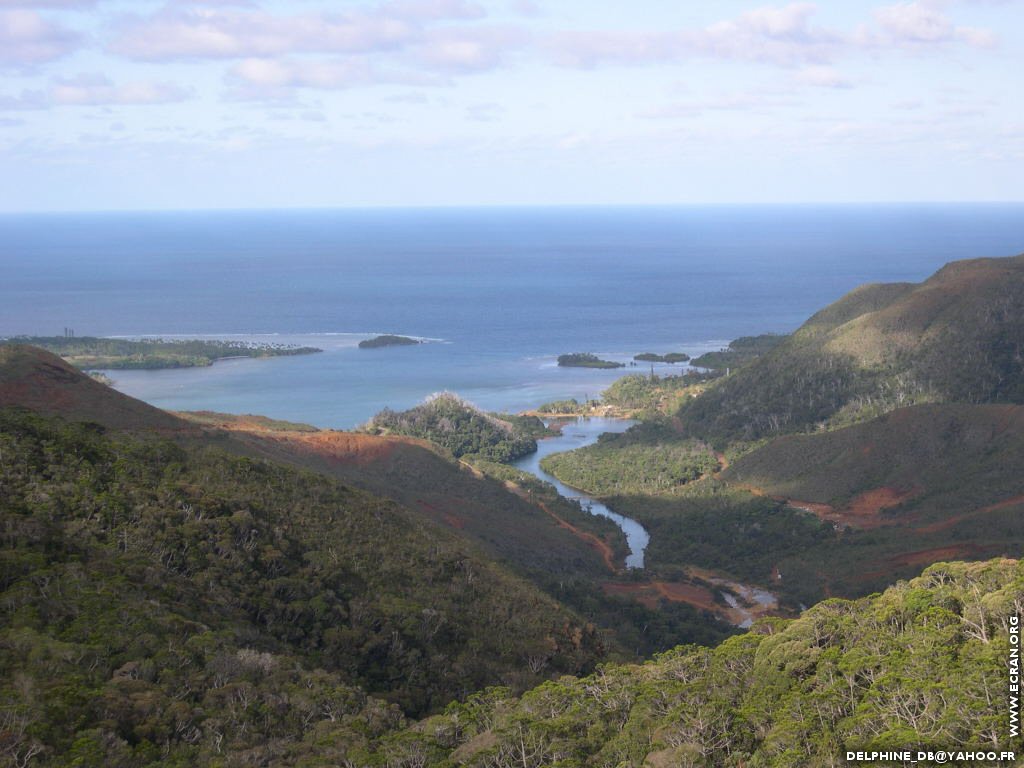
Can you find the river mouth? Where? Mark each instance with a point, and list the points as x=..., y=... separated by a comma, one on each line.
x=578, y=434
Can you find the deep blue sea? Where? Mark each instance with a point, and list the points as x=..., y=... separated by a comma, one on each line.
x=501, y=291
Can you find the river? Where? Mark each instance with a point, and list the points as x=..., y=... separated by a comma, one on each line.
x=578, y=434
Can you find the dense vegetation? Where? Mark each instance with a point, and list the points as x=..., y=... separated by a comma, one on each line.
x=530, y=426
x=740, y=352
x=671, y=357
x=570, y=406
x=388, y=340
x=748, y=537
x=452, y=423
x=173, y=606
x=957, y=337
x=177, y=604
x=92, y=352
x=653, y=393
x=923, y=664
x=165, y=604
x=944, y=458
x=586, y=360
x=646, y=459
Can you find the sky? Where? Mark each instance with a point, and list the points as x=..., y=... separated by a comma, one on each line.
x=196, y=104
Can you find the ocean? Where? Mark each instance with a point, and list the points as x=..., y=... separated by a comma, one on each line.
x=498, y=292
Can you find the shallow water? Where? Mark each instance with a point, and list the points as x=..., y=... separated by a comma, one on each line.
x=505, y=291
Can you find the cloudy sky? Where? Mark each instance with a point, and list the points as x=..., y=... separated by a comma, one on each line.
x=112, y=104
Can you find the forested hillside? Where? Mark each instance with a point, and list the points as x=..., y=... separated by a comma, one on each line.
x=164, y=607
x=923, y=664
x=171, y=604
x=464, y=430
x=957, y=337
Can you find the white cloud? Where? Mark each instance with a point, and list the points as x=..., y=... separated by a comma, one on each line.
x=780, y=35
x=274, y=74
x=212, y=33
x=432, y=10
x=67, y=4
x=27, y=39
x=823, y=77
x=915, y=21
x=524, y=7
x=922, y=22
x=278, y=79
x=94, y=90
x=475, y=49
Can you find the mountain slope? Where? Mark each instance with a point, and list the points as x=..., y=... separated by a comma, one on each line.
x=934, y=459
x=40, y=381
x=957, y=337
x=922, y=664
x=416, y=474
x=296, y=561
x=264, y=556
x=458, y=426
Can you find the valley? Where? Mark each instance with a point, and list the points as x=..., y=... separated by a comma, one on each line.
x=433, y=590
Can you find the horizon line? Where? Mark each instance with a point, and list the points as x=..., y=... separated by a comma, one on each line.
x=505, y=206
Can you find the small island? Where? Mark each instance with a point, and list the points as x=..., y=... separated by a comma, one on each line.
x=98, y=353
x=388, y=340
x=586, y=360
x=671, y=357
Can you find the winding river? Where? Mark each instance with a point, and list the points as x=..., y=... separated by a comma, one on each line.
x=578, y=434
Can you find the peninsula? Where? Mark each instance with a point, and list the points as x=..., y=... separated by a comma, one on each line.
x=93, y=352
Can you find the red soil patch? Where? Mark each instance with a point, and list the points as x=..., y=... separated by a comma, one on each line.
x=824, y=511
x=863, y=512
x=943, y=525
x=342, y=447
x=703, y=598
x=723, y=464
x=926, y=557
x=677, y=592
x=40, y=381
x=934, y=555
x=439, y=514
x=606, y=552
x=453, y=520
x=650, y=593
x=642, y=593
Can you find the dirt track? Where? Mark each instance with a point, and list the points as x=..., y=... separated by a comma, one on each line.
x=607, y=554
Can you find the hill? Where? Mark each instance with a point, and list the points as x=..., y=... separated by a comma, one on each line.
x=516, y=519
x=463, y=429
x=885, y=434
x=173, y=605
x=956, y=337
x=922, y=664
x=41, y=381
x=417, y=474
x=143, y=579
x=308, y=561
x=926, y=460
